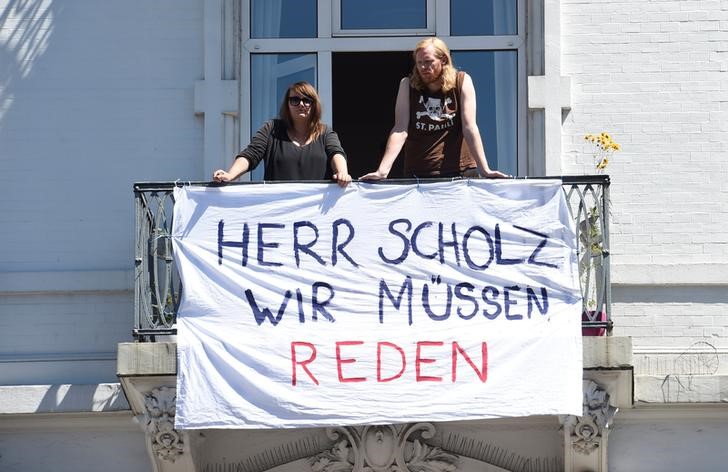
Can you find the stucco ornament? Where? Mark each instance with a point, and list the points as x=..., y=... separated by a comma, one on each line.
x=587, y=430
x=166, y=442
x=383, y=449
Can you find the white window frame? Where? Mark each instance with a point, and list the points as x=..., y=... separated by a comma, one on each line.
x=429, y=29
x=326, y=44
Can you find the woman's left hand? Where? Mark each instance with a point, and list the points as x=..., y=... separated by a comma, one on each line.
x=342, y=179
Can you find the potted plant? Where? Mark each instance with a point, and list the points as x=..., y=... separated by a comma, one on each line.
x=591, y=237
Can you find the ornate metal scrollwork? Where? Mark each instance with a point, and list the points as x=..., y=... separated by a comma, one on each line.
x=165, y=441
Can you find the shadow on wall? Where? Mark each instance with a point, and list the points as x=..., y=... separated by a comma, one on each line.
x=83, y=398
x=669, y=294
x=25, y=30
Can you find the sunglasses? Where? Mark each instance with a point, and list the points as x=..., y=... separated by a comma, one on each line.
x=295, y=101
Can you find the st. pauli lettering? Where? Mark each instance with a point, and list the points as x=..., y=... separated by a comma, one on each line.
x=308, y=305
x=433, y=127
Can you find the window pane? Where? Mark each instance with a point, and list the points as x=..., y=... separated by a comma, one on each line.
x=271, y=74
x=383, y=14
x=483, y=17
x=495, y=75
x=283, y=19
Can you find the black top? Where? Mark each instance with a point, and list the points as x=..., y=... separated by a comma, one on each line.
x=435, y=143
x=286, y=161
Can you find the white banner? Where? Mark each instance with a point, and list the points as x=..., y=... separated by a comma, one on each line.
x=310, y=305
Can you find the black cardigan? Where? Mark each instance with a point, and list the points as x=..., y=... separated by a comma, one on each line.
x=287, y=161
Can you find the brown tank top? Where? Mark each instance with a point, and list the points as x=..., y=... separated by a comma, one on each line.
x=435, y=144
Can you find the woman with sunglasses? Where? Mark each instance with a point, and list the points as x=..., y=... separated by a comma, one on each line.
x=297, y=146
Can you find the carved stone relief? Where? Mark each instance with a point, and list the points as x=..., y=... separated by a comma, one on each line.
x=383, y=449
x=159, y=405
x=388, y=448
x=586, y=431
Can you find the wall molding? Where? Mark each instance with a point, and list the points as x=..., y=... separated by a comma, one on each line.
x=673, y=412
x=116, y=421
x=669, y=274
x=59, y=357
x=62, y=398
x=652, y=350
x=66, y=282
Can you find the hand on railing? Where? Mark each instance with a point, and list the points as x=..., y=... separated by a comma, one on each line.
x=222, y=176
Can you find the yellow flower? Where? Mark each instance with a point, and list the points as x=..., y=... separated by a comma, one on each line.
x=604, y=145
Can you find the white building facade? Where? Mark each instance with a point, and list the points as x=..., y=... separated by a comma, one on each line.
x=95, y=96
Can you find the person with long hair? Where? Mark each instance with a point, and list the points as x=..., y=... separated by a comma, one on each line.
x=296, y=146
x=435, y=121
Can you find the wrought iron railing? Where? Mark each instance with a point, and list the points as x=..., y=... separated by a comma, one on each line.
x=158, y=287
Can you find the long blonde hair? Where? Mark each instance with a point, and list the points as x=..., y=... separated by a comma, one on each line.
x=442, y=52
x=315, y=127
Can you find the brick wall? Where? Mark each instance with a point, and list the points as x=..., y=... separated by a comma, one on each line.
x=654, y=74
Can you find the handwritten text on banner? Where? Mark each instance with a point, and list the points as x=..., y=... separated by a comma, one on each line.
x=310, y=305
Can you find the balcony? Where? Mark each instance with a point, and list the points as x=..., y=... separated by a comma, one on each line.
x=148, y=371
x=158, y=288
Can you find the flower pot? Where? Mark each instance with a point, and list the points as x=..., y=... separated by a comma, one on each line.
x=593, y=315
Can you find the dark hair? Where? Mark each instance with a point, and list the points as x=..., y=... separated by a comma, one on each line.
x=315, y=127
